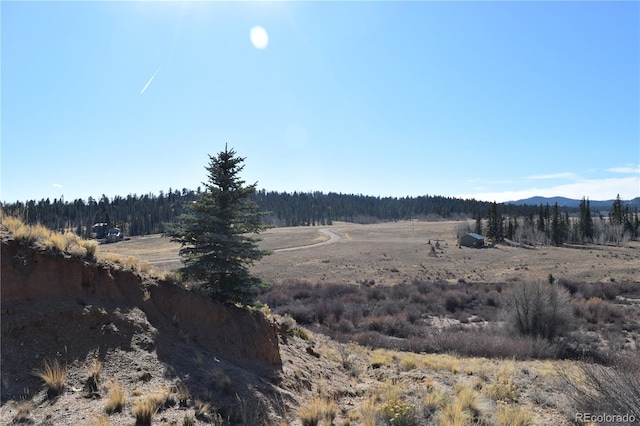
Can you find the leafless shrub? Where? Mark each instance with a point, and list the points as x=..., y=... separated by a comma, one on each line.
x=344, y=326
x=397, y=317
x=389, y=325
x=455, y=301
x=597, y=311
x=538, y=309
x=303, y=313
x=607, y=291
x=596, y=388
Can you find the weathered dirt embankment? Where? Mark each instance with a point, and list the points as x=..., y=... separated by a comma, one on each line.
x=56, y=306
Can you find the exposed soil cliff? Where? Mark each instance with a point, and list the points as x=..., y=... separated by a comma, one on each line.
x=54, y=304
x=147, y=337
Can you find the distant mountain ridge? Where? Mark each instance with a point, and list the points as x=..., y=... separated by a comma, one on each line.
x=570, y=202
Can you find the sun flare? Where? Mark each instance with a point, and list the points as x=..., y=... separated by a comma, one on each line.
x=259, y=37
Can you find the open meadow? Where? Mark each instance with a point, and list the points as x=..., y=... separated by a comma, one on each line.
x=396, y=252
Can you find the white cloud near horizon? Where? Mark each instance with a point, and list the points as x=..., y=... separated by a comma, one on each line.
x=593, y=189
x=627, y=169
x=57, y=185
x=564, y=175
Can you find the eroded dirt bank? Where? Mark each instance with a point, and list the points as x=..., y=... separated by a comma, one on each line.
x=57, y=306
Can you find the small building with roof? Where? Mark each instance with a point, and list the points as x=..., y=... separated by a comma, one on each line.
x=472, y=239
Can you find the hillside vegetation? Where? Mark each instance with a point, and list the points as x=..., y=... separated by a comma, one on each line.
x=98, y=343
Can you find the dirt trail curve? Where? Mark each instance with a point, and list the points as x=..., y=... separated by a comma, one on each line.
x=333, y=238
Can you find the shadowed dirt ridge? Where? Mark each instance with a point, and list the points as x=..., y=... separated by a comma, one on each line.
x=58, y=307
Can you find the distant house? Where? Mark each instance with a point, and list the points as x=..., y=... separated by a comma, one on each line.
x=472, y=240
x=99, y=230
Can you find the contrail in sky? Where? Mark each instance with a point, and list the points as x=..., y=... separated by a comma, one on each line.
x=149, y=82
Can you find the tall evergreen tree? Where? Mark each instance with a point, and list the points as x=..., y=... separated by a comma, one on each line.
x=495, y=229
x=558, y=232
x=585, y=223
x=510, y=229
x=541, y=224
x=616, y=215
x=216, y=249
x=478, y=227
x=628, y=221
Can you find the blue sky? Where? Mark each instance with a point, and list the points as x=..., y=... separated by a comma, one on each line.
x=491, y=100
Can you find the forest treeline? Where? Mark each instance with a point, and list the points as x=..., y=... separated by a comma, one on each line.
x=149, y=213
x=550, y=225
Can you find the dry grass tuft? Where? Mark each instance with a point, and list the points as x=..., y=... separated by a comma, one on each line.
x=95, y=368
x=513, y=415
x=147, y=406
x=316, y=410
x=452, y=415
x=117, y=398
x=367, y=411
x=24, y=232
x=38, y=234
x=93, y=376
x=467, y=400
x=199, y=359
x=391, y=391
x=220, y=380
x=128, y=262
x=103, y=420
x=463, y=410
x=379, y=358
x=408, y=363
x=202, y=409
x=440, y=362
x=163, y=398
x=503, y=389
x=90, y=246
x=172, y=277
x=22, y=416
x=144, y=410
x=54, y=375
x=399, y=413
x=434, y=400
x=183, y=395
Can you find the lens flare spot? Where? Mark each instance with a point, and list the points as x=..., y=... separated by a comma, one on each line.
x=259, y=37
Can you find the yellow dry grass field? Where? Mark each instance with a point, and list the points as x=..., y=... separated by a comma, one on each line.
x=396, y=252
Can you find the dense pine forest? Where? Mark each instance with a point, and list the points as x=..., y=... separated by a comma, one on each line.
x=148, y=214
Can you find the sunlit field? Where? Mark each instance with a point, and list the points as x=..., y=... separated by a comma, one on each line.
x=397, y=252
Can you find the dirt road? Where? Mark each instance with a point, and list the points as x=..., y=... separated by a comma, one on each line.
x=333, y=238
